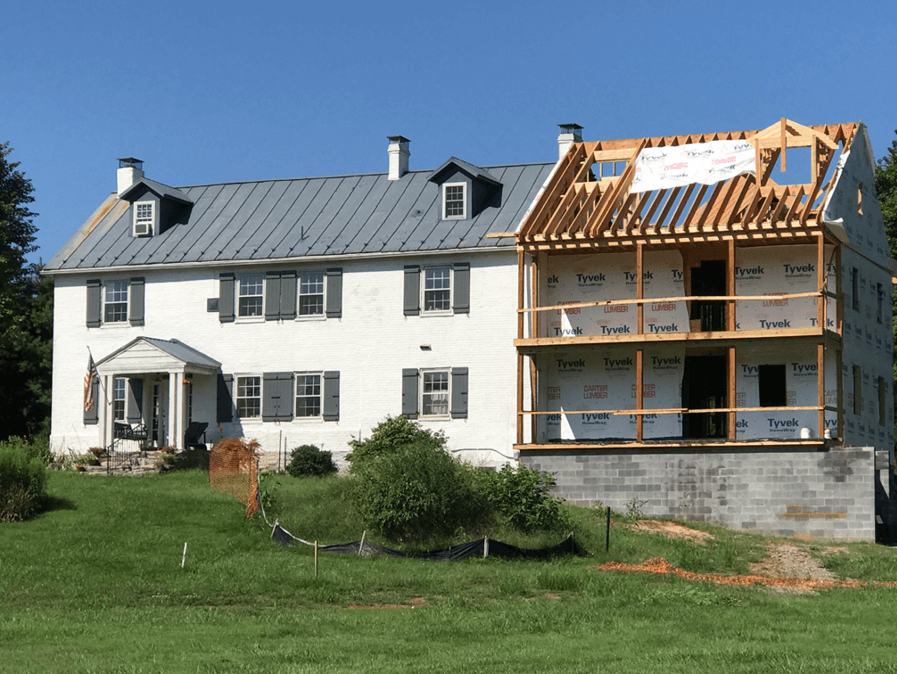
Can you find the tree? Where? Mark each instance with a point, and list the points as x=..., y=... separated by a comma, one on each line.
x=25, y=310
x=886, y=186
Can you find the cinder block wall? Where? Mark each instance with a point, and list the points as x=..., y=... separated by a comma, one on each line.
x=820, y=494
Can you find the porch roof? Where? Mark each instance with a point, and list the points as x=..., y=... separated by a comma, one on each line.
x=145, y=355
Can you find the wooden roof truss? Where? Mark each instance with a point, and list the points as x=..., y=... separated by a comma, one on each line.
x=589, y=199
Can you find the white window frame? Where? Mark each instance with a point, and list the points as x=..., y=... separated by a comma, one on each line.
x=320, y=395
x=148, y=220
x=445, y=391
x=299, y=295
x=240, y=379
x=238, y=290
x=424, y=290
x=109, y=289
x=445, y=201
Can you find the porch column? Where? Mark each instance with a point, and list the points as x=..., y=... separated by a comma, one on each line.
x=175, y=402
x=104, y=409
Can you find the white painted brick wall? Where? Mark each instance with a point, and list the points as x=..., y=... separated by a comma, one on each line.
x=369, y=346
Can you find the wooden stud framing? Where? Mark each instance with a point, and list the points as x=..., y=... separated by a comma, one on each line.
x=640, y=285
x=840, y=379
x=820, y=281
x=730, y=285
x=732, y=394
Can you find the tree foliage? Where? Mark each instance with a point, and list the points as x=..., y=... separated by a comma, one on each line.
x=26, y=311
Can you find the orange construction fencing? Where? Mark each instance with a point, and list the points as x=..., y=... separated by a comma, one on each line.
x=233, y=469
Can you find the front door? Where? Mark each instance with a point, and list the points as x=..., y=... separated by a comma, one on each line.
x=159, y=414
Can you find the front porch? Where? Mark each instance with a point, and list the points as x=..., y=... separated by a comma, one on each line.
x=151, y=392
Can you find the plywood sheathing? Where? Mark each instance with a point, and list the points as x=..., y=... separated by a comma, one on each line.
x=582, y=207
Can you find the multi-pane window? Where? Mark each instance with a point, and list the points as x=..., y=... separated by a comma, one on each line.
x=438, y=289
x=249, y=397
x=143, y=218
x=435, y=394
x=115, y=308
x=251, y=295
x=453, y=201
x=119, y=396
x=308, y=395
x=311, y=294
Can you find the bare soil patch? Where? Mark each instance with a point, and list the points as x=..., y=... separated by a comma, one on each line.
x=672, y=530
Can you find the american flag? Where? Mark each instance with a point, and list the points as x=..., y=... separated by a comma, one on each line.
x=88, y=384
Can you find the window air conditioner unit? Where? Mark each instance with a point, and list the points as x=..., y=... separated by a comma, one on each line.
x=142, y=229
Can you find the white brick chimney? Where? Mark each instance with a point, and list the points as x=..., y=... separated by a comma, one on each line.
x=130, y=170
x=570, y=133
x=398, y=156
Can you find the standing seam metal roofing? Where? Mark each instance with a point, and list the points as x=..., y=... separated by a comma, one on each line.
x=278, y=219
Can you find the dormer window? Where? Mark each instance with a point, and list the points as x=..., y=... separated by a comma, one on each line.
x=144, y=218
x=454, y=200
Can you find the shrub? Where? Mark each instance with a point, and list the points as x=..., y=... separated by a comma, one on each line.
x=309, y=460
x=31, y=448
x=390, y=436
x=23, y=483
x=416, y=492
x=523, y=498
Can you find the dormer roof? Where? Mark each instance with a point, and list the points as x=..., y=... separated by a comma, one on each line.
x=474, y=171
x=164, y=191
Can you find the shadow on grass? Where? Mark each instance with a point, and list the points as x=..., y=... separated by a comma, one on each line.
x=52, y=503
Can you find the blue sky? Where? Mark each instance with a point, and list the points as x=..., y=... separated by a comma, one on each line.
x=224, y=91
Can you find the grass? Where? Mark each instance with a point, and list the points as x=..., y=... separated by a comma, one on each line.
x=95, y=585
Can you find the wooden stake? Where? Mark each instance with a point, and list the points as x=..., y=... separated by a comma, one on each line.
x=316, y=559
x=485, y=546
x=361, y=545
x=184, y=555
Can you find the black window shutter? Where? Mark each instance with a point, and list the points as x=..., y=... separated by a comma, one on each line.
x=135, y=401
x=136, y=301
x=412, y=290
x=226, y=297
x=272, y=295
x=277, y=396
x=225, y=398
x=94, y=290
x=409, y=393
x=92, y=417
x=288, y=294
x=461, y=291
x=334, y=293
x=459, y=393
x=331, y=396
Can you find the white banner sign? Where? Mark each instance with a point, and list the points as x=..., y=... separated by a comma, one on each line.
x=706, y=163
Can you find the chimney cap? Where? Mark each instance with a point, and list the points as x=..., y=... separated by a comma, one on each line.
x=125, y=162
x=570, y=128
x=398, y=139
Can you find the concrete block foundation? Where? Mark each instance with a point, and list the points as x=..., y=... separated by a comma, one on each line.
x=822, y=494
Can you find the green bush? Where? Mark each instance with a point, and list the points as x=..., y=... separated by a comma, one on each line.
x=32, y=448
x=23, y=483
x=523, y=498
x=309, y=460
x=415, y=492
x=390, y=436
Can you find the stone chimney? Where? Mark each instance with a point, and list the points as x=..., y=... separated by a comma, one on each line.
x=398, y=156
x=570, y=133
x=130, y=170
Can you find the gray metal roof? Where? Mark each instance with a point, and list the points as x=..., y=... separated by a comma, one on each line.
x=173, y=347
x=278, y=219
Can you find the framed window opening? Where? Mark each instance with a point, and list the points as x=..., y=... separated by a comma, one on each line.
x=311, y=294
x=144, y=218
x=115, y=302
x=454, y=201
x=251, y=296
x=435, y=393
x=773, y=391
x=308, y=395
x=437, y=290
x=249, y=397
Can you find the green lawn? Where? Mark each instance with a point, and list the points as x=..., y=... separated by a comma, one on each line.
x=95, y=585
